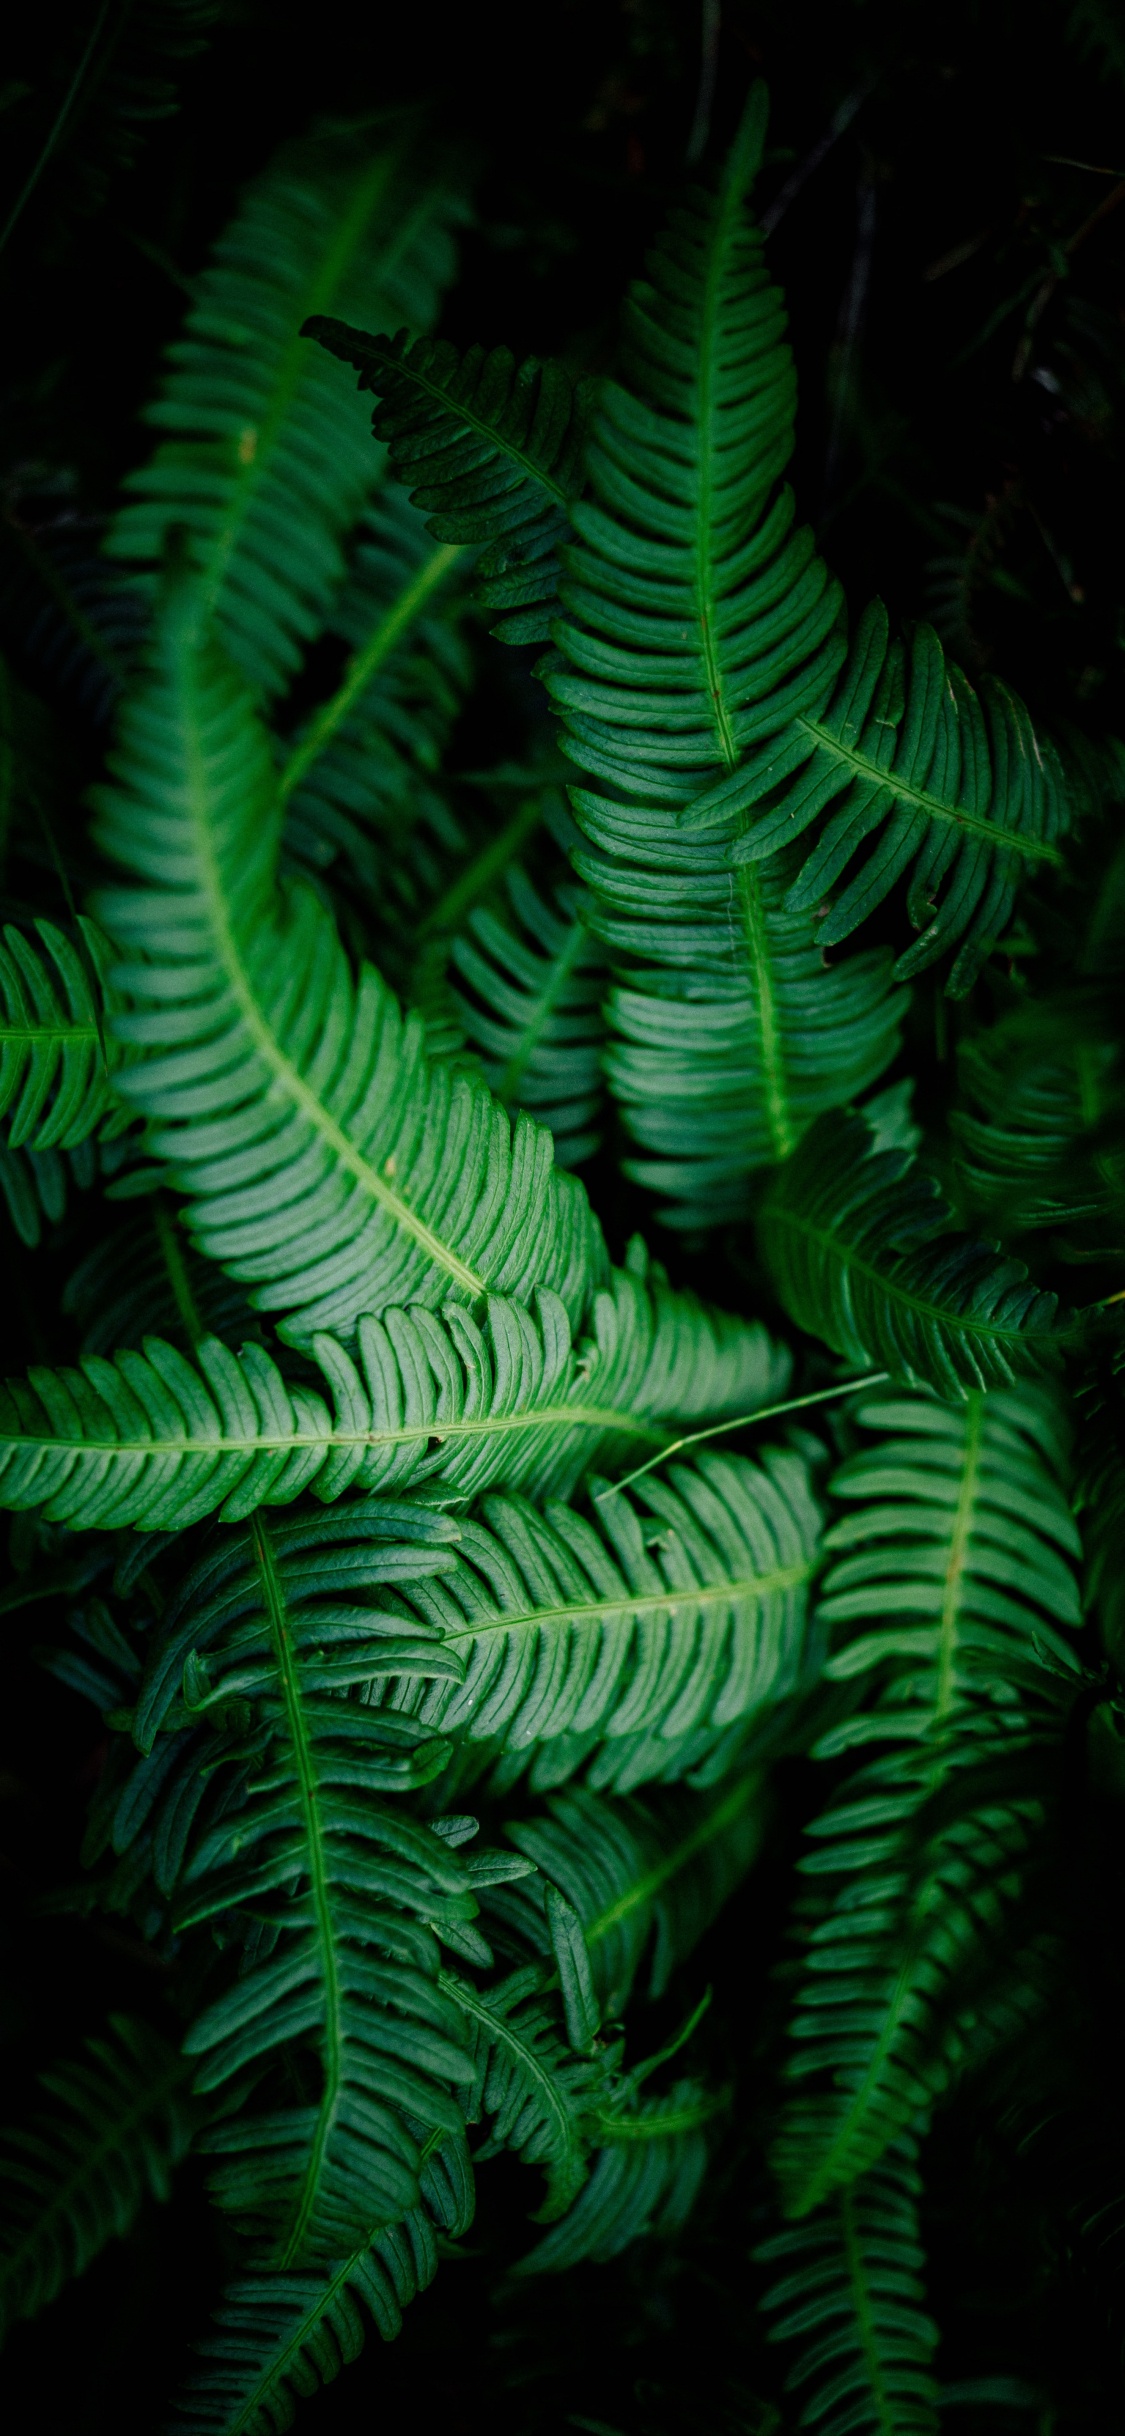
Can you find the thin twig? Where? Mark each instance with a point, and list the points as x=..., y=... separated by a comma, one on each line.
x=765, y=1412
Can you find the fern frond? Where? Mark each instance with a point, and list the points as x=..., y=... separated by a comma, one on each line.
x=491, y=451
x=528, y=2081
x=328, y=1165
x=954, y=1577
x=535, y=1011
x=955, y=782
x=74, y=2178
x=359, y=779
x=1038, y=1127
x=644, y=2181
x=267, y=459
x=156, y=1441
x=852, y=2295
x=633, y=1631
x=858, y=1243
x=279, y=2337
x=338, y=1988
x=54, y=1084
x=695, y=623
x=144, y=1278
x=639, y=1873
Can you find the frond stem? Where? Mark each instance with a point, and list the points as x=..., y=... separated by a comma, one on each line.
x=364, y=663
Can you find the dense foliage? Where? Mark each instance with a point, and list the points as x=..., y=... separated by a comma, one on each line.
x=562, y=1177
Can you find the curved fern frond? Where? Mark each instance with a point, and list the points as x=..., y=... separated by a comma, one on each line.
x=953, y=1576
x=328, y=1164
x=54, y=1084
x=491, y=451
x=729, y=1034
x=358, y=780
x=644, y=2181
x=858, y=1243
x=698, y=620
x=156, y=1441
x=637, y=1872
x=851, y=2292
x=339, y=1883
x=535, y=1011
x=954, y=782
x=636, y=1631
x=529, y=2082
x=267, y=459
x=1038, y=1128
x=73, y=2179
x=279, y=2337
x=144, y=1278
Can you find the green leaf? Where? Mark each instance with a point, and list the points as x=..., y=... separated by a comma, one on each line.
x=267, y=462
x=490, y=450
x=955, y=782
x=952, y=1580
x=328, y=1164
x=858, y=1243
x=1038, y=1127
x=528, y=2081
x=644, y=2182
x=73, y=2179
x=640, y=1634
x=278, y=2338
x=534, y=1015
x=156, y=1441
x=572, y=1962
x=300, y=1838
x=54, y=1085
x=850, y=2293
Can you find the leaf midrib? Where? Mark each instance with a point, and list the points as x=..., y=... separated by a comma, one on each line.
x=848, y=1258
x=1035, y=850
x=633, y=1604
x=268, y=1047
x=560, y=1416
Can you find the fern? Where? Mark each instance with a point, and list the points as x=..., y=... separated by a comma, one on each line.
x=645, y=2181
x=641, y=1873
x=54, y=1084
x=633, y=1632
x=74, y=2178
x=535, y=1010
x=851, y=2292
x=156, y=1441
x=1036, y=1130
x=279, y=2337
x=266, y=462
x=264, y=1059
x=954, y=1567
x=341, y=1881
x=359, y=778
x=857, y=1241
x=490, y=450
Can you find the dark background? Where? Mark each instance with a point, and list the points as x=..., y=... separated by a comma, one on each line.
x=948, y=188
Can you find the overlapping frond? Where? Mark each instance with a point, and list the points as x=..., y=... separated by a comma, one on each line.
x=157, y=1441
x=1038, y=1126
x=529, y=2082
x=278, y=2338
x=530, y=1004
x=678, y=1613
x=646, y=1876
x=953, y=1579
x=852, y=2295
x=75, y=2177
x=267, y=458
x=954, y=783
x=299, y=1834
x=328, y=1164
x=54, y=1084
x=360, y=778
x=644, y=2180
x=860, y=1248
x=490, y=450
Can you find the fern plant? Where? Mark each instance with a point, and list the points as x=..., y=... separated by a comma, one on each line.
x=486, y=1631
